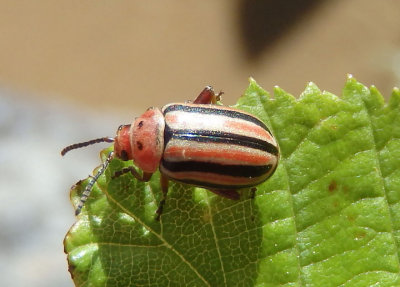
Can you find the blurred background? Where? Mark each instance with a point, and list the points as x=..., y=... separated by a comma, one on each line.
x=74, y=70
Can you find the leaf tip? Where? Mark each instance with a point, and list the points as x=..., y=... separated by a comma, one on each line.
x=252, y=81
x=254, y=86
x=277, y=89
x=351, y=81
x=374, y=91
x=311, y=88
x=395, y=97
x=281, y=94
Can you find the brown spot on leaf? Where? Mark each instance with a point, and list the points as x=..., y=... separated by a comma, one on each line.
x=351, y=217
x=332, y=186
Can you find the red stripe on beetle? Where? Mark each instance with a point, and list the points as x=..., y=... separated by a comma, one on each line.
x=229, y=155
x=250, y=130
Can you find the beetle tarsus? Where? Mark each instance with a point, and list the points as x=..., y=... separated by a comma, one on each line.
x=122, y=172
x=160, y=209
x=253, y=192
x=218, y=96
x=164, y=182
x=130, y=169
x=92, y=181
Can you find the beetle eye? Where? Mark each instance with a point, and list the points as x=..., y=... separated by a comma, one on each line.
x=124, y=155
x=122, y=127
x=140, y=124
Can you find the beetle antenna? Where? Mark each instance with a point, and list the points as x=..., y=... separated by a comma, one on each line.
x=92, y=181
x=83, y=144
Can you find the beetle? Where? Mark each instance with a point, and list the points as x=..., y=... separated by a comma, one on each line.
x=200, y=143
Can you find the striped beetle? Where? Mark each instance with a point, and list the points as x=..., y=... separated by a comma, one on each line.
x=200, y=143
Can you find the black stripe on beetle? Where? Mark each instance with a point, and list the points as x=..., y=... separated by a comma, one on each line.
x=207, y=136
x=246, y=171
x=216, y=111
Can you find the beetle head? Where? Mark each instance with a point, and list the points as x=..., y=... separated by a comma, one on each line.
x=122, y=145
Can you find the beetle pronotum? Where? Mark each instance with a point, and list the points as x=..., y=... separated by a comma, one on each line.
x=200, y=143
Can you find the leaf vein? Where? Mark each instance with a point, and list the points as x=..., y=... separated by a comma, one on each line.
x=216, y=240
x=161, y=238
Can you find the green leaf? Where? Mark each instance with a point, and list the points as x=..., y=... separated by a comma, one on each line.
x=329, y=216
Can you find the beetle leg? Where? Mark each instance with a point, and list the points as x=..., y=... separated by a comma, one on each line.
x=164, y=189
x=145, y=177
x=227, y=193
x=253, y=192
x=207, y=96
